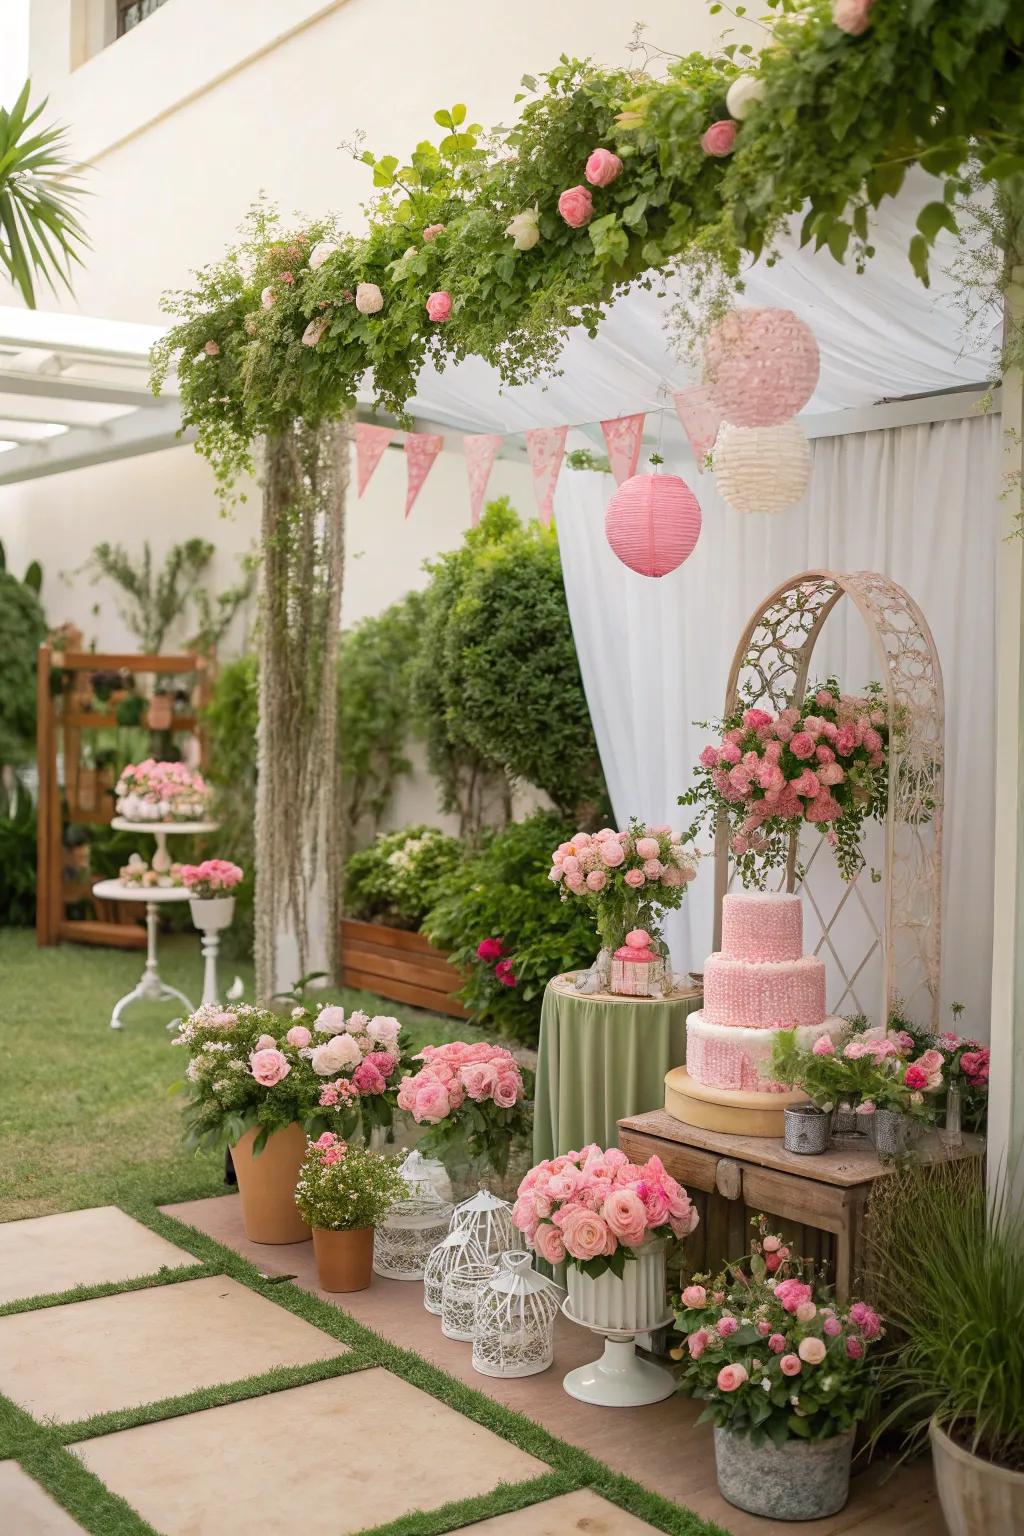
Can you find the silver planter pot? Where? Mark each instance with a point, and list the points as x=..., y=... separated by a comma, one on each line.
x=799, y=1480
x=845, y=1122
x=806, y=1129
x=891, y=1131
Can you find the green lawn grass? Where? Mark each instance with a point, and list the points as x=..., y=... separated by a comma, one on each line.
x=87, y=1113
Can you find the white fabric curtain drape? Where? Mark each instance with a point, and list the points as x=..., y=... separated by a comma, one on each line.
x=918, y=503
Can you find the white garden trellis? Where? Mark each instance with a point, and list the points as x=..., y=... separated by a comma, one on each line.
x=770, y=669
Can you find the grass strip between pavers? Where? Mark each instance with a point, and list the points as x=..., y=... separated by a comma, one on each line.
x=163, y=1276
x=42, y=1448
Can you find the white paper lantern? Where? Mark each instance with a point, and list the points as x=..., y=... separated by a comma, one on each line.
x=459, y=1298
x=490, y=1221
x=762, y=469
x=408, y=1236
x=515, y=1319
x=453, y=1251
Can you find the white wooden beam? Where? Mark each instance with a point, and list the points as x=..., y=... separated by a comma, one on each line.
x=49, y=386
x=126, y=437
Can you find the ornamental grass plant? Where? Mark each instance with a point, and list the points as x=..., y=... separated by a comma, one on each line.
x=947, y=1263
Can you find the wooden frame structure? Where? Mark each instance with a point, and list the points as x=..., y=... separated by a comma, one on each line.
x=770, y=668
x=60, y=723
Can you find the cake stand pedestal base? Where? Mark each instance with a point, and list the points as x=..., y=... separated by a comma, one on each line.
x=725, y=1109
x=620, y=1378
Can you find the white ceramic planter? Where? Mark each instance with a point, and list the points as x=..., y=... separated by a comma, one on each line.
x=977, y=1497
x=620, y=1309
x=212, y=915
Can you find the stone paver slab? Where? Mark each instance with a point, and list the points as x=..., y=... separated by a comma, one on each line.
x=46, y=1254
x=325, y=1459
x=573, y=1514
x=27, y=1510
x=69, y=1362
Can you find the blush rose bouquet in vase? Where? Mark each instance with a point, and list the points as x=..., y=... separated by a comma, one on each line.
x=472, y=1099
x=357, y=1061
x=786, y=1374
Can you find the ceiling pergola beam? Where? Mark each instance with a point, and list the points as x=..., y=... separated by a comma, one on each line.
x=92, y=391
x=123, y=438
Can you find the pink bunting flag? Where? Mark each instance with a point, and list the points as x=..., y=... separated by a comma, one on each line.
x=699, y=418
x=545, y=449
x=481, y=451
x=421, y=449
x=370, y=445
x=622, y=438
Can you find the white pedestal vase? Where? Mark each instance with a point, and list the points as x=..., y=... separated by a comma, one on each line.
x=211, y=917
x=621, y=1309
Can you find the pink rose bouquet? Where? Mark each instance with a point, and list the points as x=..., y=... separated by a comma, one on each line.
x=211, y=878
x=625, y=878
x=770, y=1353
x=593, y=1209
x=966, y=1063
x=824, y=763
x=868, y=1069
x=473, y=1099
x=357, y=1061
x=152, y=791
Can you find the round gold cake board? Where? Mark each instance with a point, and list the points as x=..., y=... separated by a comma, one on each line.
x=724, y=1109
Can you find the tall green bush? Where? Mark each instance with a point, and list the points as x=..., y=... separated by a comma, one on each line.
x=399, y=877
x=502, y=893
x=22, y=631
x=375, y=711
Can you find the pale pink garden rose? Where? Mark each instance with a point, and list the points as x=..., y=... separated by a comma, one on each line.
x=269, y=1067
x=727, y=1326
x=625, y=1214
x=833, y=1327
x=772, y=1244
x=730, y=1377
x=806, y=1311
x=823, y=1046
x=549, y=1243
x=337, y=1053
x=653, y=869
x=790, y=1365
x=479, y=1079
x=320, y=253
x=634, y=878
x=852, y=16
x=384, y=1030
x=265, y=1043
x=697, y=1343
x=719, y=139
x=368, y=1080
x=694, y=1296
x=764, y=1328
x=369, y=299
x=585, y=1234
x=802, y=745
x=439, y=306
x=330, y=1021
x=575, y=883
x=673, y=876
x=211, y=349
x=506, y=1092
x=597, y=880
x=432, y=1103
x=432, y=231
x=777, y=1343
x=576, y=206
x=611, y=853
x=647, y=848
x=812, y=1351
x=602, y=167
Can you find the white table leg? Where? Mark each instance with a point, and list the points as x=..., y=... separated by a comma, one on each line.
x=210, y=944
x=150, y=987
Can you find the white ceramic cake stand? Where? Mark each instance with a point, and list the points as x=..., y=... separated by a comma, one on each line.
x=620, y=1378
x=161, y=860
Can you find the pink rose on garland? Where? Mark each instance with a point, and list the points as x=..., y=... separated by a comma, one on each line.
x=439, y=306
x=719, y=139
x=211, y=349
x=269, y=1067
x=576, y=207
x=602, y=167
x=852, y=16
x=432, y=231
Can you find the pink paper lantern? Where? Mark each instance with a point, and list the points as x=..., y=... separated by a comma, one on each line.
x=761, y=366
x=652, y=523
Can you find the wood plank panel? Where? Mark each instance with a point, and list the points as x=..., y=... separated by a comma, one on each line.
x=383, y=937
x=403, y=992
x=116, y=935
x=435, y=974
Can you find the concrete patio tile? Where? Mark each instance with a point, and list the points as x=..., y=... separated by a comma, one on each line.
x=69, y=1362
x=27, y=1510
x=325, y=1459
x=46, y=1254
x=573, y=1514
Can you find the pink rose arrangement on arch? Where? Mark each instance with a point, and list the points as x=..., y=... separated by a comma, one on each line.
x=211, y=878
x=824, y=763
x=625, y=878
x=472, y=1097
x=769, y=1351
x=868, y=1069
x=152, y=791
x=593, y=1209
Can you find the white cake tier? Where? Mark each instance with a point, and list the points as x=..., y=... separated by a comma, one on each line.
x=722, y=1057
x=757, y=925
x=764, y=994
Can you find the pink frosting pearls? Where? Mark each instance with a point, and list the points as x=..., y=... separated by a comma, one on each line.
x=757, y=926
x=764, y=994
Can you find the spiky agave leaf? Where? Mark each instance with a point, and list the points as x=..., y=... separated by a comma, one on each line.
x=40, y=232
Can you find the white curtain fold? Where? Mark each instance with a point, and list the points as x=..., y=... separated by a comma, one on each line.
x=918, y=503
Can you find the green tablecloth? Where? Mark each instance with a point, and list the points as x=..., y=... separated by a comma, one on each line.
x=602, y=1057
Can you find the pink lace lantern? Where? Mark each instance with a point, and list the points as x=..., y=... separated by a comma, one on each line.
x=761, y=366
x=652, y=523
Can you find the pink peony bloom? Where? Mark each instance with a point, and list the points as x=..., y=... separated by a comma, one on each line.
x=790, y=1293
x=846, y=740
x=730, y=1377
x=432, y=231
x=731, y=752
x=647, y=848
x=697, y=1343
x=602, y=167
x=299, y=1036
x=872, y=741
x=772, y=1262
x=823, y=1046
x=694, y=1296
x=754, y=719
x=833, y=1327
x=777, y=1343
x=867, y=1108
x=549, y=1244
x=824, y=699
x=611, y=853
x=802, y=745
x=269, y=1067
x=574, y=883
x=709, y=757
x=852, y=16
x=634, y=878
x=915, y=1077
x=854, y=1348
x=812, y=1351
x=790, y=1365
x=367, y=1080
x=596, y=880
x=806, y=1311
x=439, y=306
x=576, y=206
x=719, y=139
x=479, y=1079
x=726, y=1326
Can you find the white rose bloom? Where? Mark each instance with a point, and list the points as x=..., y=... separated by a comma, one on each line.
x=337, y=1053
x=524, y=230
x=320, y=252
x=298, y=1013
x=369, y=299
x=330, y=1021
x=743, y=94
x=384, y=1030
x=268, y=298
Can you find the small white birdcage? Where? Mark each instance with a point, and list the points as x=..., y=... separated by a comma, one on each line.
x=459, y=1295
x=425, y=1174
x=409, y=1233
x=490, y=1221
x=515, y=1319
x=454, y=1250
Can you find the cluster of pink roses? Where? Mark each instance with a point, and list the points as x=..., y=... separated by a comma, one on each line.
x=576, y=204
x=970, y=1057
x=453, y=1073
x=152, y=791
x=211, y=878
x=639, y=859
x=586, y=1206
x=361, y=1053
x=875, y=1072
x=492, y=952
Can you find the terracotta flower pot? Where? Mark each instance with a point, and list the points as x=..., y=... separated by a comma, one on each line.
x=977, y=1497
x=266, y=1184
x=344, y=1260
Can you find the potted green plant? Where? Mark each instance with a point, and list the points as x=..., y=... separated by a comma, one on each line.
x=343, y=1192
x=959, y=1370
x=787, y=1376
x=210, y=885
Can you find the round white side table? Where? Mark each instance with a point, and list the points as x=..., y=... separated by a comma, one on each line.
x=150, y=987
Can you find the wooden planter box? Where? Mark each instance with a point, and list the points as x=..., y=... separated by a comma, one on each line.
x=399, y=965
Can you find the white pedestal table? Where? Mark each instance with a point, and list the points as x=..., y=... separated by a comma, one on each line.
x=150, y=987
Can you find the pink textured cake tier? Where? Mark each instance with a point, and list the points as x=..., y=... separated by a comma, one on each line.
x=757, y=925
x=764, y=994
x=740, y=1059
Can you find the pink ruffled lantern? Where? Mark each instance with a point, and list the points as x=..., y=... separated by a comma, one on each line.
x=761, y=366
x=652, y=523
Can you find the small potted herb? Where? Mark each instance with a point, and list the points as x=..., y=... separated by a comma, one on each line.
x=344, y=1193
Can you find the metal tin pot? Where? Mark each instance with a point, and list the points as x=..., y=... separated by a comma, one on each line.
x=807, y=1129
x=891, y=1132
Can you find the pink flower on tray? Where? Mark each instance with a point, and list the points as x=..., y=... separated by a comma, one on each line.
x=602, y=167
x=720, y=139
x=269, y=1067
x=576, y=206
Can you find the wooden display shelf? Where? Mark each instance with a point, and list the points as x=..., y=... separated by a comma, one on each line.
x=401, y=966
x=95, y=720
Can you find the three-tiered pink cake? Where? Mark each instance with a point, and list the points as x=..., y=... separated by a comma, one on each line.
x=760, y=982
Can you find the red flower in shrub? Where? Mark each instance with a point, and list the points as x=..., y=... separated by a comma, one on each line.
x=490, y=949
x=503, y=971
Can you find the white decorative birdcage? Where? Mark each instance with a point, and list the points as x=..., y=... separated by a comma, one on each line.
x=515, y=1319
x=426, y=1174
x=490, y=1221
x=407, y=1236
x=459, y=1298
x=455, y=1249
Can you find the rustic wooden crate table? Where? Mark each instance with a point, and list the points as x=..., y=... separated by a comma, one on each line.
x=740, y=1176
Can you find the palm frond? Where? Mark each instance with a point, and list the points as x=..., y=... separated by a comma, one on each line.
x=41, y=235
